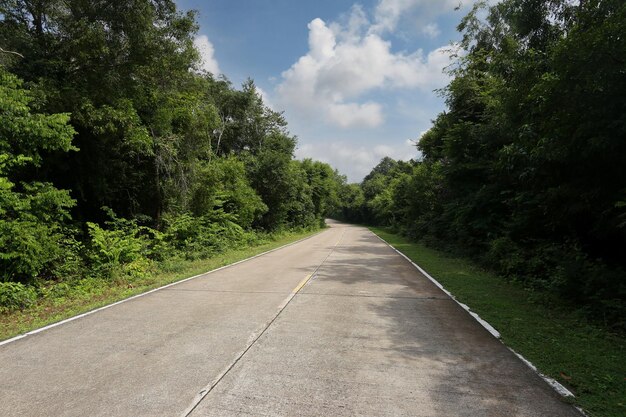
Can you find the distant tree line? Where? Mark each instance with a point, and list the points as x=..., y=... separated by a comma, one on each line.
x=118, y=152
x=526, y=169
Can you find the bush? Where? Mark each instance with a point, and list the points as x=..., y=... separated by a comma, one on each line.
x=15, y=295
x=197, y=237
x=71, y=266
x=28, y=248
x=32, y=215
x=505, y=255
x=111, y=248
x=563, y=269
x=124, y=242
x=140, y=268
x=222, y=186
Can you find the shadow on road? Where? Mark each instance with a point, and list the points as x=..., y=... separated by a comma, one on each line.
x=428, y=340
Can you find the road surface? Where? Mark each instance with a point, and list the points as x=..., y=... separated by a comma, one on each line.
x=336, y=325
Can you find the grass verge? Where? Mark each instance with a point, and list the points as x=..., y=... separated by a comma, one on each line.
x=582, y=356
x=53, y=309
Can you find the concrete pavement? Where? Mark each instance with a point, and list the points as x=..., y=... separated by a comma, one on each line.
x=336, y=325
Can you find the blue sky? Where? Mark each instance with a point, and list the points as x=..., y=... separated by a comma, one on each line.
x=355, y=80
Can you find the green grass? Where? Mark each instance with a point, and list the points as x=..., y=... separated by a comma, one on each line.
x=584, y=357
x=99, y=293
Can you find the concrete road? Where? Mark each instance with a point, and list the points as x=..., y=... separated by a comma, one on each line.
x=336, y=325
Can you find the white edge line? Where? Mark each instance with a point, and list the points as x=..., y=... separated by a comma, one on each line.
x=558, y=387
x=88, y=313
x=552, y=382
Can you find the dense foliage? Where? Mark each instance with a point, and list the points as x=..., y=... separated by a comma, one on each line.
x=526, y=170
x=118, y=153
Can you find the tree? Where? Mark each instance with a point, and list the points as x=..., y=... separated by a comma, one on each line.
x=526, y=169
x=274, y=179
x=33, y=214
x=325, y=186
x=124, y=60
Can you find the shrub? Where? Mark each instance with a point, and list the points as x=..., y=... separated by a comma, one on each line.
x=113, y=247
x=506, y=256
x=32, y=214
x=140, y=268
x=71, y=266
x=197, y=237
x=15, y=295
x=123, y=242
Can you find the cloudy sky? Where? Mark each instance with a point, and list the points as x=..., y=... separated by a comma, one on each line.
x=355, y=80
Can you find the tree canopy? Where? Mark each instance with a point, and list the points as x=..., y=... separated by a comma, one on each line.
x=526, y=169
x=118, y=151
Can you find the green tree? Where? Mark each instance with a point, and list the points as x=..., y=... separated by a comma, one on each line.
x=125, y=62
x=223, y=185
x=274, y=178
x=531, y=149
x=325, y=183
x=32, y=214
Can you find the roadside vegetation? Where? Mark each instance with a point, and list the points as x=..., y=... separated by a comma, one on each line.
x=123, y=164
x=55, y=301
x=581, y=355
x=525, y=172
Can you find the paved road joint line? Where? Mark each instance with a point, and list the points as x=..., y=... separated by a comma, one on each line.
x=253, y=339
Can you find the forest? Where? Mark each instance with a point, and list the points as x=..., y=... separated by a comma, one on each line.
x=118, y=154
x=525, y=172
x=124, y=166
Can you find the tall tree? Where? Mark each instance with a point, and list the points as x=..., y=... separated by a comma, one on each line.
x=124, y=59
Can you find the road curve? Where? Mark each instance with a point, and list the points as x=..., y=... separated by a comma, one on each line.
x=336, y=325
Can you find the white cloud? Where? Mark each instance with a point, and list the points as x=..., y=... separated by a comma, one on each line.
x=353, y=77
x=207, y=54
x=348, y=61
x=321, y=40
x=431, y=30
x=355, y=161
x=388, y=13
x=352, y=114
x=264, y=96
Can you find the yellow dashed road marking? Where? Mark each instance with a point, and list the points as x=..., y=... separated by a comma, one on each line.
x=302, y=284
